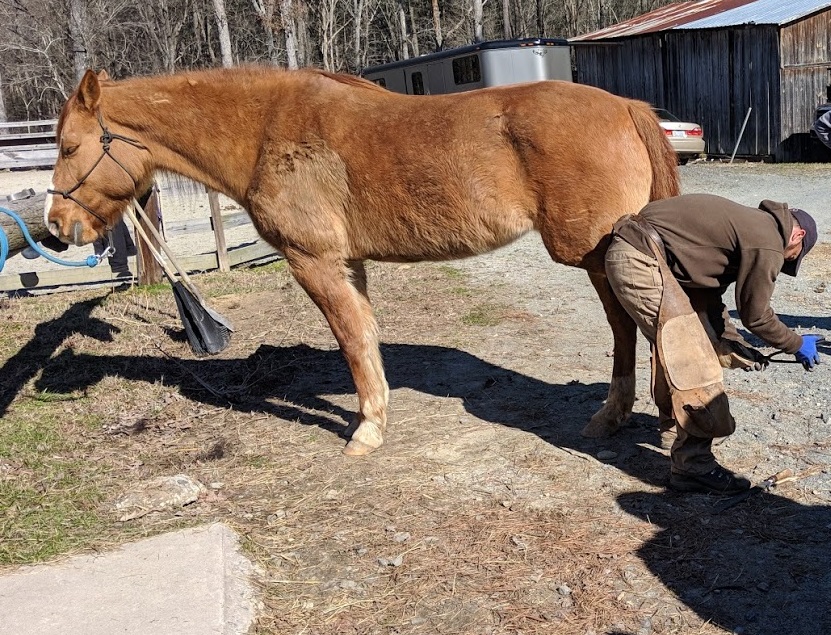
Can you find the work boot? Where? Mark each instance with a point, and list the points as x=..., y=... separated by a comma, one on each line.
x=123, y=281
x=719, y=480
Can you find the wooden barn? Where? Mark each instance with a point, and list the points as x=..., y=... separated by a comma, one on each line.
x=719, y=63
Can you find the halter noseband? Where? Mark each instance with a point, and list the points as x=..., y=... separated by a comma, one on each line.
x=106, y=139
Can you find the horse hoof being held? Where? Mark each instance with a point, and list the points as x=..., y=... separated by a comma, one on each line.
x=334, y=170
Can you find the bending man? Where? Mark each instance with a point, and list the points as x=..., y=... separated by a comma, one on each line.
x=704, y=243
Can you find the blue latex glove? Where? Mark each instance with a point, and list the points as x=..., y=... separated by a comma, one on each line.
x=807, y=354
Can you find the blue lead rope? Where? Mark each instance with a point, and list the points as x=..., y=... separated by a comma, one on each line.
x=90, y=261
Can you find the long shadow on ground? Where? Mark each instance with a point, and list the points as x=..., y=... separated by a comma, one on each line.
x=762, y=565
x=291, y=383
x=49, y=337
x=760, y=568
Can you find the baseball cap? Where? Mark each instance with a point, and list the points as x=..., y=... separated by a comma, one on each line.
x=808, y=241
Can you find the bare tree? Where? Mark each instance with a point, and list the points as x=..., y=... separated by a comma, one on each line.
x=3, y=116
x=224, y=33
x=77, y=33
x=506, y=19
x=163, y=21
x=478, y=11
x=329, y=30
x=357, y=23
x=289, y=32
x=47, y=43
x=437, y=25
x=414, y=31
x=265, y=12
x=402, y=23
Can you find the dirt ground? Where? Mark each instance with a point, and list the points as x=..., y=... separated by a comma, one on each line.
x=485, y=512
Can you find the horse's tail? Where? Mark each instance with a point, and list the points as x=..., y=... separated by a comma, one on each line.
x=665, y=179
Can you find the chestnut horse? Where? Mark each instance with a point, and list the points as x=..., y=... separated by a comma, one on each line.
x=334, y=170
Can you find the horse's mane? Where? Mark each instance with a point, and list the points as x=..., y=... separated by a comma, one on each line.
x=349, y=80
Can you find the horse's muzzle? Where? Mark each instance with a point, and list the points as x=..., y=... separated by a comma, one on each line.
x=75, y=237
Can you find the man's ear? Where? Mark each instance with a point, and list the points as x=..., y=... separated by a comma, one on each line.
x=797, y=235
x=89, y=91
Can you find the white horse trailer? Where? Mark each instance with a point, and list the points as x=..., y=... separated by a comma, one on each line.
x=478, y=65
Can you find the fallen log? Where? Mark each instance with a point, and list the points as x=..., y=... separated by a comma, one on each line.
x=30, y=211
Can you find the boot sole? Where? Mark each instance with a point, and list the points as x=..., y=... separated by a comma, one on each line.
x=696, y=487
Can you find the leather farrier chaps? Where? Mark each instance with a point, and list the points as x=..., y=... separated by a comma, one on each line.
x=687, y=379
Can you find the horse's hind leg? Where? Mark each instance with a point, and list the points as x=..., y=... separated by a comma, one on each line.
x=621, y=397
x=339, y=290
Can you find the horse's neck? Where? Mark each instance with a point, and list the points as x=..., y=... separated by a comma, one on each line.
x=193, y=129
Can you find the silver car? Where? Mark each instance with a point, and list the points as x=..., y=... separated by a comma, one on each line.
x=685, y=137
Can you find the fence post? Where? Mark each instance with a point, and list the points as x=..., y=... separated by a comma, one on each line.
x=219, y=232
x=149, y=271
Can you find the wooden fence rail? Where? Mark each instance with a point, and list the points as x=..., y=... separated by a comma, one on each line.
x=28, y=144
x=223, y=257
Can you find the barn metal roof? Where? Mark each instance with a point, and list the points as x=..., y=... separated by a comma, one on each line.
x=761, y=12
x=702, y=14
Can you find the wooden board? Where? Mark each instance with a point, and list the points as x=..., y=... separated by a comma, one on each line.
x=74, y=276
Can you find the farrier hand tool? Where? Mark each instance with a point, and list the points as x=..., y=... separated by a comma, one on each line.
x=821, y=340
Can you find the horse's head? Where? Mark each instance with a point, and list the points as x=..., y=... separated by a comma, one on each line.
x=98, y=170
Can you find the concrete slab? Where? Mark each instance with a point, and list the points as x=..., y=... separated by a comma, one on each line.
x=190, y=582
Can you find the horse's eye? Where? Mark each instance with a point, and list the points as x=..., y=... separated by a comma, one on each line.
x=68, y=151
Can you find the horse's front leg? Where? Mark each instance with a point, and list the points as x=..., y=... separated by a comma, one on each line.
x=338, y=288
x=618, y=406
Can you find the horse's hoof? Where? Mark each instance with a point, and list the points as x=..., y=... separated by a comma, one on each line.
x=357, y=448
x=598, y=429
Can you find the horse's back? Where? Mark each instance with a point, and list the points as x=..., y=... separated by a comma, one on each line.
x=564, y=158
x=433, y=177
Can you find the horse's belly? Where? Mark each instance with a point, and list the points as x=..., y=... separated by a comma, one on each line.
x=447, y=237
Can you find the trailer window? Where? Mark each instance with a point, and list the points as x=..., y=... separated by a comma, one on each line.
x=417, y=81
x=466, y=70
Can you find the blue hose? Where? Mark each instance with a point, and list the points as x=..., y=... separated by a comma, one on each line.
x=90, y=261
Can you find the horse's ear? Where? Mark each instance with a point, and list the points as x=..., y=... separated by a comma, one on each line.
x=89, y=91
x=103, y=76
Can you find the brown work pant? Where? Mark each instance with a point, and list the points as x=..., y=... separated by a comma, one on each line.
x=637, y=282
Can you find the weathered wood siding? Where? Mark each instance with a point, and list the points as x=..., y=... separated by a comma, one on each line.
x=713, y=76
x=806, y=83
x=632, y=68
x=754, y=87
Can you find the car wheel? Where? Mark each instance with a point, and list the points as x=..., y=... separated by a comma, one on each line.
x=683, y=161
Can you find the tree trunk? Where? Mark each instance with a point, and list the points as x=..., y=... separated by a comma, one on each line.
x=478, y=13
x=224, y=33
x=437, y=25
x=301, y=29
x=77, y=24
x=289, y=32
x=265, y=11
x=4, y=117
x=506, y=20
x=328, y=21
x=357, y=24
x=402, y=22
x=414, y=31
